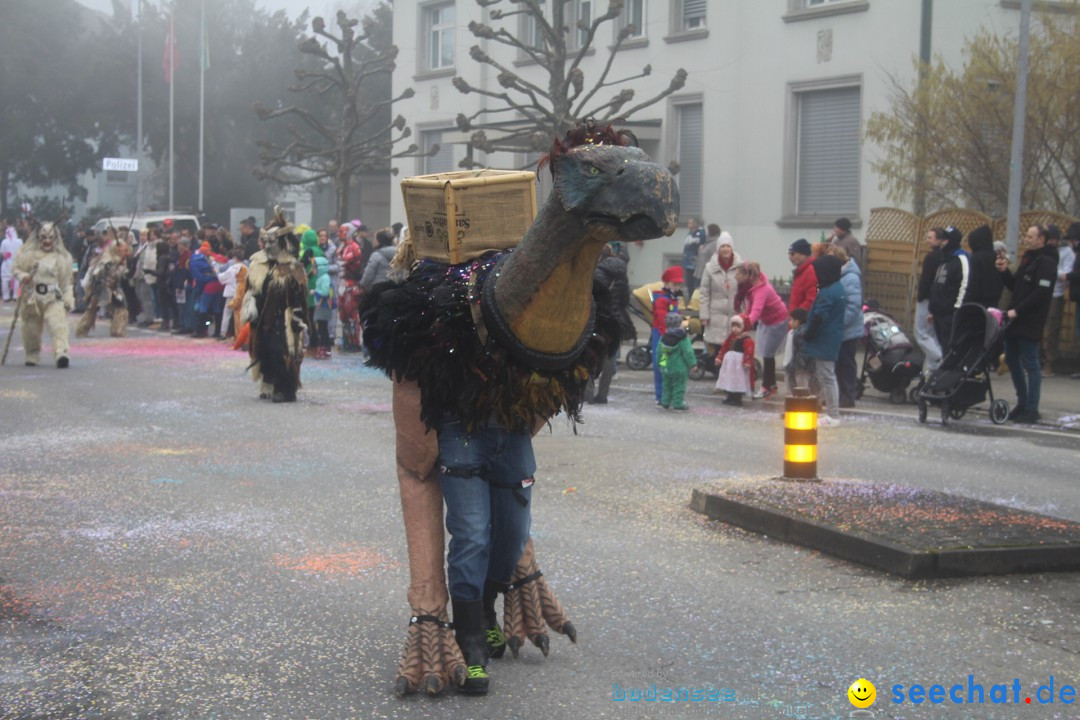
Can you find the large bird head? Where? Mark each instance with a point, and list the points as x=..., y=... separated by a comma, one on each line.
x=618, y=188
x=540, y=304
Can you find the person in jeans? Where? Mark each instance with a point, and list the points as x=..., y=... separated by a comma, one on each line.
x=1032, y=287
x=1056, y=316
x=825, y=332
x=925, y=335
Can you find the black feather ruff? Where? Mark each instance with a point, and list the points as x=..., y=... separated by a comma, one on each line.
x=424, y=330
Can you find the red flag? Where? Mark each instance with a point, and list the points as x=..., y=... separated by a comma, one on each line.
x=168, y=60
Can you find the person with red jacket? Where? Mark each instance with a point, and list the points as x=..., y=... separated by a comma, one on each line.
x=762, y=307
x=804, y=285
x=664, y=301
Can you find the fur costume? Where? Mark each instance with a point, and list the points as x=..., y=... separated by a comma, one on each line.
x=103, y=285
x=43, y=267
x=509, y=338
x=274, y=306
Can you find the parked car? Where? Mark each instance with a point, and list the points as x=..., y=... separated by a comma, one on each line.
x=141, y=222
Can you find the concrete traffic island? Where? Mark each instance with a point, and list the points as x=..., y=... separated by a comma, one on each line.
x=905, y=531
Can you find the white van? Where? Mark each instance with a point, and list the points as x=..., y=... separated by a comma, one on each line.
x=141, y=222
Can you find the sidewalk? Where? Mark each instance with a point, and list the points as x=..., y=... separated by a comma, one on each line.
x=1059, y=404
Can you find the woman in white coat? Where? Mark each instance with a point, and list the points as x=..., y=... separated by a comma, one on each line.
x=718, y=288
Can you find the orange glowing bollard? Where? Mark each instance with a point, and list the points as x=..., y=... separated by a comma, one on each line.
x=800, y=437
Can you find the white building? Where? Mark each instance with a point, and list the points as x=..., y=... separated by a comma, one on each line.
x=768, y=129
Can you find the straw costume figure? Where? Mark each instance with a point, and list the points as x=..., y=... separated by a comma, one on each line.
x=43, y=268
x=488, y=351
x=274, y=310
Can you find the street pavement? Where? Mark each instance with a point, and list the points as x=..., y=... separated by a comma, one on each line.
x=172, y=547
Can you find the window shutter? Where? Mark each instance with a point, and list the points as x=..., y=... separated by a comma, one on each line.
x=693, y=13
x=829, y=146
x=442, y=161
x=691, y=158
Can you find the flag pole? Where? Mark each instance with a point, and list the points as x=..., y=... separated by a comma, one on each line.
x=172, y=85
x=202, y=97
x=138, y=109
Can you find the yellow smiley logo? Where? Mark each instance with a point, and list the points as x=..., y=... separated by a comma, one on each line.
x=862, y=693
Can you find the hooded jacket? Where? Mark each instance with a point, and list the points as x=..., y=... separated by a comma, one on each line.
x=825, y=322
x=611, y=273
x=985, y=283
x=1032, y=286
x=851, y=281
x=676, y=353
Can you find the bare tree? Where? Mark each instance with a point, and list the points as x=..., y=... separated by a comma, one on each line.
x=963, y=120
x=346, y=129
x=538, y=111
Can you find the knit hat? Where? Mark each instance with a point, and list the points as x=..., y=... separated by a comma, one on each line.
x=801, y=246
x=673, y=320
x=843, y=223
x=738, y=320
x=673, y=275
x=725, y=239
x=1073, y=233
x=205, y=248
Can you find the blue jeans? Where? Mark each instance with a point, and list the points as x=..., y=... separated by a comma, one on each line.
x=1022, y=357
x=488, y=524
x=658, y=377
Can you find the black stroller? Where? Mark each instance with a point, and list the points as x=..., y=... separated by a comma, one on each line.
x=891, y=362
x=963, y=379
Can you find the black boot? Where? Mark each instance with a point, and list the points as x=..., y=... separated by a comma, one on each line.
x=493, y=634
x=469, y=631
x=200, y=325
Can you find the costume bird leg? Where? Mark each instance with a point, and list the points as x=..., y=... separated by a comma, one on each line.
x=530, y=607
x=431, y=659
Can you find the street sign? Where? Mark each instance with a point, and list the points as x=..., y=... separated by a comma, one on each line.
x=120, y=164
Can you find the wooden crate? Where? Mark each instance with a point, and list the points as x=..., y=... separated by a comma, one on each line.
x=457, y=216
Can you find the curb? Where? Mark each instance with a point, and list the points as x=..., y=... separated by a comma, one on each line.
x=882, y=554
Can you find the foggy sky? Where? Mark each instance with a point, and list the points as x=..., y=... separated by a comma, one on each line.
x=292, y=7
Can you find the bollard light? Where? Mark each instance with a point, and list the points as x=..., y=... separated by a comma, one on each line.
x=800, y=437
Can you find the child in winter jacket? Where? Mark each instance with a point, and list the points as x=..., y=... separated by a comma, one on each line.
x=736, y=361
x=825, y=332
x=676, y=357
x=665, y=301
x=797, y=367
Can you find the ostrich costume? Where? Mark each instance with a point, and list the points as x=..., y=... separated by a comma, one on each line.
x=43, y=267
x=508, y=339
x=274, y=308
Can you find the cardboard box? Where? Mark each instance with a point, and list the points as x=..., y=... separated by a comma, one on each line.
x=457, y=216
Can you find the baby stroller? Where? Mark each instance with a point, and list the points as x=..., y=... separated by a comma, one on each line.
x=639, y=357
x=963, y=379
x=891, y=362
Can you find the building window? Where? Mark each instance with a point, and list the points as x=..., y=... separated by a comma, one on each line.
x=692, y=14
x=810, y=9
x=443, y=160
x=828, y=149
x=690, y=153
x=530, y=31
x=439, y=31
x=633, y=17
x=583, y=17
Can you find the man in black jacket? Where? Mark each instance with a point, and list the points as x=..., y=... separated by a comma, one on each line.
x=1031, y=287
x=1073, y=279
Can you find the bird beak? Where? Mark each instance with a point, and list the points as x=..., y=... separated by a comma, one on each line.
x=643, y=202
